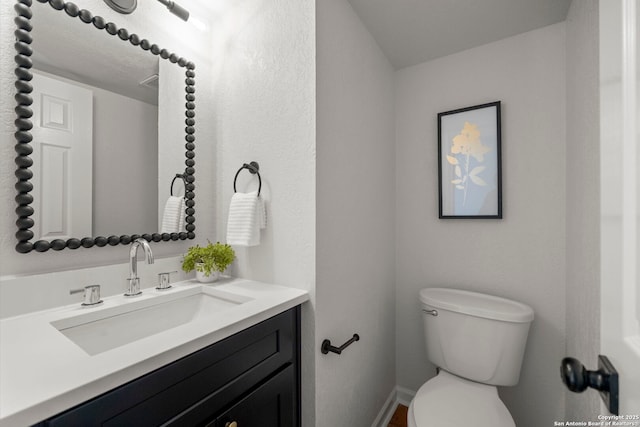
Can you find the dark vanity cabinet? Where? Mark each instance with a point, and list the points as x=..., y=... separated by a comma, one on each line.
x=251, y=379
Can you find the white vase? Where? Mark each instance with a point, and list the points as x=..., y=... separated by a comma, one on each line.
x=200, y=276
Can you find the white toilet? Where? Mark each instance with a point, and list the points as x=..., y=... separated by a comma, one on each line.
x=477, y=342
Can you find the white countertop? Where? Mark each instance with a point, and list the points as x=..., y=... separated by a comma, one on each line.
x=43, y=373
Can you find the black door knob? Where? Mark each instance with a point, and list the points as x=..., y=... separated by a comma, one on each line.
x=577, y=379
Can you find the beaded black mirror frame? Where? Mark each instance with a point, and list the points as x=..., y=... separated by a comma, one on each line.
x=23, y=136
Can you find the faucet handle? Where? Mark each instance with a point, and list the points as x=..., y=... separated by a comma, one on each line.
x=163, y=280
x=91, y=294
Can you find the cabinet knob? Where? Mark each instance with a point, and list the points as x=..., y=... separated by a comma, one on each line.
x=231, y=424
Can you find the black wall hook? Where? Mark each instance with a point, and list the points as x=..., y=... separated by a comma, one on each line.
x=326, y=346
x=252, y=167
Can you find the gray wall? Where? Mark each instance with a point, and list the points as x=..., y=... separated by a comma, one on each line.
x=125, y=136
x=583, y=199
x=521, y=256
x=355, y=224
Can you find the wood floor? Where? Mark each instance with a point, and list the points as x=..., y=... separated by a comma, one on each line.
x=399, y=418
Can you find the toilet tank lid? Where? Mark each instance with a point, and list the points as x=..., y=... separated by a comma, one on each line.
x=477, y=304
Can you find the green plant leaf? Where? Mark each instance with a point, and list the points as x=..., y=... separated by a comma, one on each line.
x=209, y=258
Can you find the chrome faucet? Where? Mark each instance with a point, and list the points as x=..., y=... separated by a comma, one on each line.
x=133, y=287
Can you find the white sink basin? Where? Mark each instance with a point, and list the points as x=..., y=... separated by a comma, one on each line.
x=105, y=328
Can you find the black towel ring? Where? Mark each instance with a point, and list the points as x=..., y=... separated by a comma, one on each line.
x=252, y=167
x=181, y=176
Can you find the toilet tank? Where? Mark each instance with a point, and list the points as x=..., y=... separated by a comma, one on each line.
x=475, y=336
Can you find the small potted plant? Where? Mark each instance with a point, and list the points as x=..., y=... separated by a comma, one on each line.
x=209, y=261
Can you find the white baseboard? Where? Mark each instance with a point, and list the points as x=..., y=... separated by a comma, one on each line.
x=404, y=396
x=399, y=395
x=385, y=414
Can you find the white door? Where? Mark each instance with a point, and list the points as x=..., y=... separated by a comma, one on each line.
x=62, y=158
x=620, y=197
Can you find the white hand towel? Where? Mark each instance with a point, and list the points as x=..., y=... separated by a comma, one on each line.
x=246, y=217
x=173, y=210
x=261, y=213
x=181, y=222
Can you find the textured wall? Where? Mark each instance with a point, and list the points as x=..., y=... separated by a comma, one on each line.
x=355, y=222
x=265, y=111
x=521, y=256
x=264, y=85
x=151, y=21
x=583, y=199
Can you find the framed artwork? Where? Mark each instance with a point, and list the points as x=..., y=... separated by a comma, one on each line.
x=469, y=162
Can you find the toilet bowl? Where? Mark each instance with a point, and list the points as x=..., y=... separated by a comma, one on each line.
x=447, y=400
x=477, y=341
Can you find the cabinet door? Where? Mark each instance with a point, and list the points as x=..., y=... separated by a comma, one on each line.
x=271, y=405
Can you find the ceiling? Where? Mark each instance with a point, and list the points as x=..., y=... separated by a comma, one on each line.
x=410, y=32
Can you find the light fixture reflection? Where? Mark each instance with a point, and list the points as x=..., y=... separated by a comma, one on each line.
x=176, y=9
x=128, y=6
x=198, y=24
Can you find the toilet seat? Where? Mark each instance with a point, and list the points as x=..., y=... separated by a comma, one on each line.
x=448, y=401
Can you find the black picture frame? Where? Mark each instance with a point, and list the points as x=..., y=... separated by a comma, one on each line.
x=470, y=162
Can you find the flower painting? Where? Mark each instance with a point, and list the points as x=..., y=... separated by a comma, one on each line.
x=469, y=167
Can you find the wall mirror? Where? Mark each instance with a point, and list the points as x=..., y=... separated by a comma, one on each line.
x=105, y=133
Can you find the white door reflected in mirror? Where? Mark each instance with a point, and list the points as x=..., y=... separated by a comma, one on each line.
x=62, y=158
